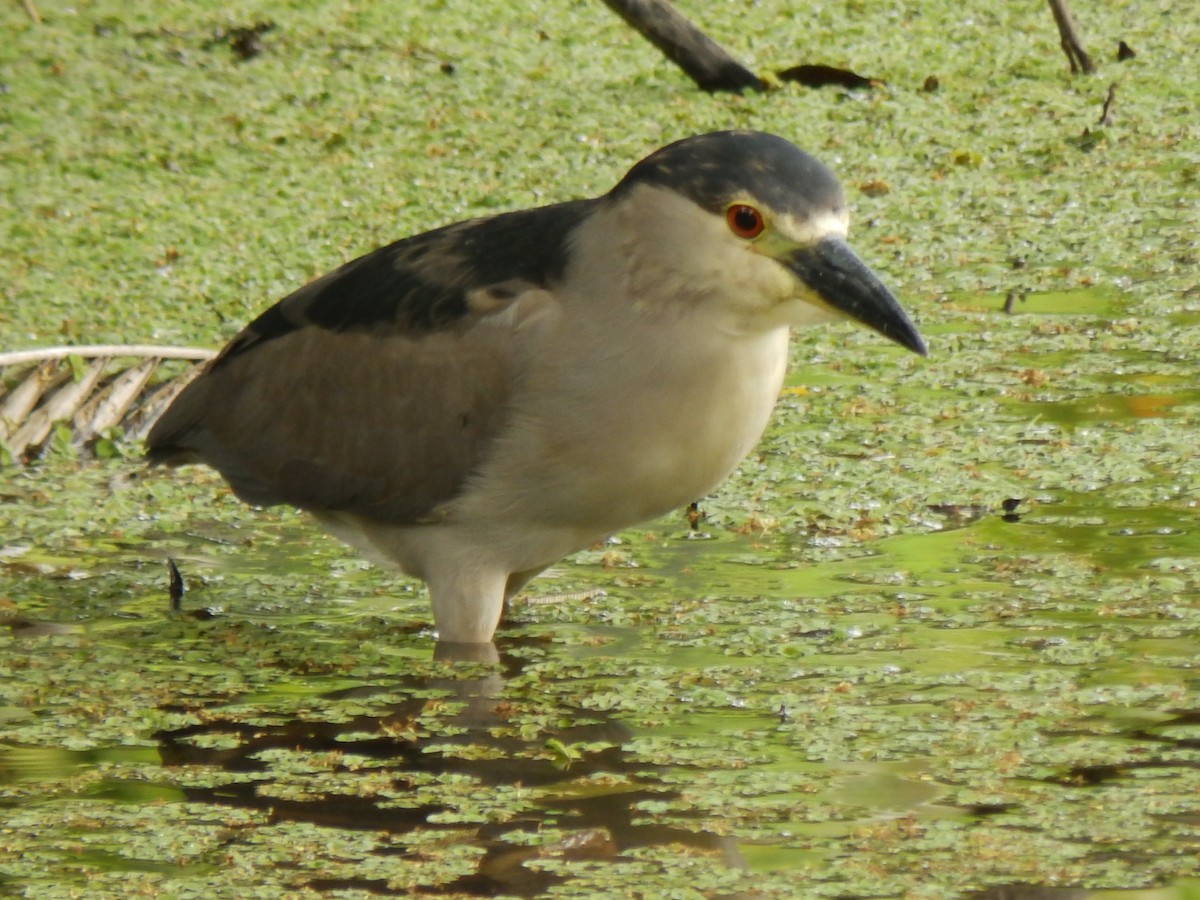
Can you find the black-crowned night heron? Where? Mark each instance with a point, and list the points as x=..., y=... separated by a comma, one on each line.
x=474, y=403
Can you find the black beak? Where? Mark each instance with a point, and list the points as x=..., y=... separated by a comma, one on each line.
x=845, y=283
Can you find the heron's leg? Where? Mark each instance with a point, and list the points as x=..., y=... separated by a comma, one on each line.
x=467, y=604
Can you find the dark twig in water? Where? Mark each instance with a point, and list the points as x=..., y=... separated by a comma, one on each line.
x=703, y=60
x=1011, y=300
x=1106, y=113
x=176, y=587
x=1010, y=510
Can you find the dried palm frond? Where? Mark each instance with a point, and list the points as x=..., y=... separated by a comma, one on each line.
x=87, y=394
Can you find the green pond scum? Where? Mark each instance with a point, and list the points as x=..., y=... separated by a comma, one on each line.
x=937, y=638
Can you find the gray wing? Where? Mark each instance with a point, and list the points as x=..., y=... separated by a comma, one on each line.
x=380, y=387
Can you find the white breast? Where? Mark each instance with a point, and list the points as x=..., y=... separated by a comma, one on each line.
x=622, y=434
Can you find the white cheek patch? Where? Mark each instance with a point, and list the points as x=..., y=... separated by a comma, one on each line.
x=831, y=223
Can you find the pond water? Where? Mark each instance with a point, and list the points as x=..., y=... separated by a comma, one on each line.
x=842, y=683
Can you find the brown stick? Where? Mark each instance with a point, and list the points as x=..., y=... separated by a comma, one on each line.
x=1106, y=113
x=88, y=351
x=704, y=61
x=31, y=11
x=1071, y=44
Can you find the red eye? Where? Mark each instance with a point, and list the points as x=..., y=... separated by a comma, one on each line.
x=745, y=221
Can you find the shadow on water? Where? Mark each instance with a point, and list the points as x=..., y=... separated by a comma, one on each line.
x=599, y=824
